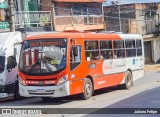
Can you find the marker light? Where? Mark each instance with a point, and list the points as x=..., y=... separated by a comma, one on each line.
x=21, y=81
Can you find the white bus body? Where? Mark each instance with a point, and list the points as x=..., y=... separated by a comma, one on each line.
x=134, y=63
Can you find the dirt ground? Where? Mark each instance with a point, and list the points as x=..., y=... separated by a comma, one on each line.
x=152, y=67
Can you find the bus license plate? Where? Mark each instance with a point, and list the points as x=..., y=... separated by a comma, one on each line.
x=40, y=90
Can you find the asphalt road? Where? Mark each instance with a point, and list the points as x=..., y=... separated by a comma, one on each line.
x=144, y=94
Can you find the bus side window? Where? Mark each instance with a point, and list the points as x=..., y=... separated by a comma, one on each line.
x=139, y=47
x=130, y=48
x=106, y=49
x=91, y=50
x=75, y=56
x=119, y=49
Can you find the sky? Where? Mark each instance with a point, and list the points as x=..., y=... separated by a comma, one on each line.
x=133, y=1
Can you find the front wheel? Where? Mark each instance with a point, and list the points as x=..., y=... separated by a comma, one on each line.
x=87, y=89
x=16, y=93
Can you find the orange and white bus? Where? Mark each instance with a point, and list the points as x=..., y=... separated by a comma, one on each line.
x=62, y=64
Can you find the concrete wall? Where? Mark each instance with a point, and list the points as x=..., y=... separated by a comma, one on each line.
x=156, y=48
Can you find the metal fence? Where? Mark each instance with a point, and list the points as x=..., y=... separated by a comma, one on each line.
x=33, y=19
x=79, y=20
x=135, y=21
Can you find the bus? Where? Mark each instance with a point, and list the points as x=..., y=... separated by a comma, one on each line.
x=68, y=63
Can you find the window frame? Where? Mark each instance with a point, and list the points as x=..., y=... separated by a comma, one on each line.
x=139, y=48
x=132, y=48
x=106, y=49
x=119, y=49
x=92, y=50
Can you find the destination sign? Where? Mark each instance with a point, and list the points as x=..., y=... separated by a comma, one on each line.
x=38, y=44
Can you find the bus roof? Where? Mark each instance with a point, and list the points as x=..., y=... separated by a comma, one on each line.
x=88, y=35
x=130, y=36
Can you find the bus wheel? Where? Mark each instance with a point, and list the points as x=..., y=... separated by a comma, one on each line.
x=88, y=89
x=128, y=80
x=16, y=93
x=45, y=98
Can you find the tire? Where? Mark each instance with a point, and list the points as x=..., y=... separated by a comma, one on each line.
x=16, y=93
x=87, y=89
x=128, y=81
x=46, y=98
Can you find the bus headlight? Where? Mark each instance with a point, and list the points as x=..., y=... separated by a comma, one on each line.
x=21, y=81
x=62, y=80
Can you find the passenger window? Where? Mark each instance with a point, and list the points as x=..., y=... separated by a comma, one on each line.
x=119, y=49
x=107, y=54
x=139, y=52
x=106, y=45
x=138, y=43
x=119, y=44
x=119, y=53
x=91, y=45
x=139, y=47
x=130, y=43
x=106, y=49
x=91, y=50
x=130, y=48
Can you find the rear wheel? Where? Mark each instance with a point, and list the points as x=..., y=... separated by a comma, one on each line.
x=128, y=81
x=87, y=90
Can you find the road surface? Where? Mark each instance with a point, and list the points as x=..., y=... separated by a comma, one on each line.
x=144, y=94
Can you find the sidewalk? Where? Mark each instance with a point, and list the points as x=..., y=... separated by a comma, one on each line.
x=152, y=67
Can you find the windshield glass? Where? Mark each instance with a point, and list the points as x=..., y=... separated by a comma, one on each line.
x=43, y=57
x=2, y=63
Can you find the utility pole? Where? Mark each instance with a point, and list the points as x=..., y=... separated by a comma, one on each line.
x=11, y=15
x=117, y=3
x=120, y=24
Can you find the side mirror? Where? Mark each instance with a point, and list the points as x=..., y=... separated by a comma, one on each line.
x=11, y=63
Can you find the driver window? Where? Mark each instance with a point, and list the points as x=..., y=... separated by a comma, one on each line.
x=75, y=56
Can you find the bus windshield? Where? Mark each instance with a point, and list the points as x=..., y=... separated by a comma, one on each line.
x=2, y=63
x=43, y=57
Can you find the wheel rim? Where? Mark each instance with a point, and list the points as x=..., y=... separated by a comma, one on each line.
x=129, y=80
x=88, y=89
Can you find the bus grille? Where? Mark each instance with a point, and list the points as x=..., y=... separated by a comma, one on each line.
x=47, y=92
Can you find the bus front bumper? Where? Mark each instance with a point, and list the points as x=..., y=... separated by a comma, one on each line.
x=45, y=91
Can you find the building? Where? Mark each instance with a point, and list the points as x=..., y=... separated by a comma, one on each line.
x=29, y=17
x=4, y=24
x=75, y=14
x=137, y=18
